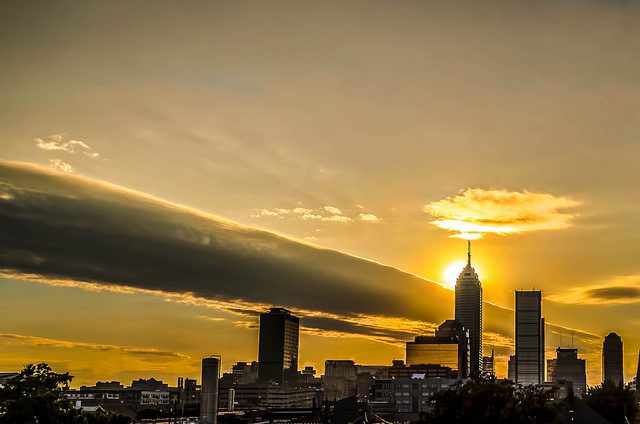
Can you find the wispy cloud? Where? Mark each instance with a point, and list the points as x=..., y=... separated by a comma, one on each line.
x=61, y=142
x=322, y=214
x=617, y=290
x=66, y=344
x=210, y=318
x=61, y=165
x=477, y=211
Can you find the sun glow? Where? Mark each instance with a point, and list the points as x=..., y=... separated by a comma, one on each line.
x=453, y=270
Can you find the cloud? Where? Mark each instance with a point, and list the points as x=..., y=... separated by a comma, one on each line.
x=60, y=142
x=337, y=218
x=368, y=217
x=477, y=211
x=61, y=165
x=305, y=214
x=265, y=212
x=617, y=290
x=209, y=318
x=615, y=293
x=71, y=231
x=333, y=210
x=66, y=344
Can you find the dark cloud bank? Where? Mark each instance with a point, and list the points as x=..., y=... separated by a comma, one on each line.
x=62, y=226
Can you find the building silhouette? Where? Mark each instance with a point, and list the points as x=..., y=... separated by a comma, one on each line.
x=511, y=368
x=468, y=310
x=529, y=360
x=209, y=392
x=568, y=367
x=340, y=379
x=449, y=348
x=638, y=374
x=488, y=365
x=278, y=347
x=612, y=369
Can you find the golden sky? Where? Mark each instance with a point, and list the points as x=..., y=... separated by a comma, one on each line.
x=374, y=130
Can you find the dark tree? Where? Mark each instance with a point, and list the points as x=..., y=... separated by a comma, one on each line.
x=613, y=402
x=36, y=396
x=487, y=400
x=103, y=418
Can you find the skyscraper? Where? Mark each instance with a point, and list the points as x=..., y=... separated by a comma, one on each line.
x=469, y=310
x=529, y=337
x=278, y=346
x=612, y=359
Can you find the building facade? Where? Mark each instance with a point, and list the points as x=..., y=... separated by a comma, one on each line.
x=638, y=374
x=511, y=368
x=488, y=365
x=267, y=396
x=468, y=311
x=568, y=367
x=340, y=379
x=403, y=399
x=209, y=392
x=612, y=364
x=529, y=358
x=449, y=348
x=278, y=347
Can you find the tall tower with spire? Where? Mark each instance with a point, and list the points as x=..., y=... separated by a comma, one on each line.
x=469, y=310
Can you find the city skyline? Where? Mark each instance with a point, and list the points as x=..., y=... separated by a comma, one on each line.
x=163, y=184
x=39, y=180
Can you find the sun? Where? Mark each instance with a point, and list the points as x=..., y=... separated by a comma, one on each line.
x=453, y=270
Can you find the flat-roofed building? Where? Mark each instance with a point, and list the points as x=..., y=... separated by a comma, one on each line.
x=268, y=396
x=568, y=367
x=449, y=348
x=340, y=379
x=403, y=399
x=529, y=358
x=278, y=347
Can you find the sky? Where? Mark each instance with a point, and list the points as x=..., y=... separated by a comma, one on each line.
x=169, y=170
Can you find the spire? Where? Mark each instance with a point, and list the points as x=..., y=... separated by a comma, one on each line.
x=469, y=252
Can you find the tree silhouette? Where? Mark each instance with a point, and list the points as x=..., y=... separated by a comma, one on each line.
x=487, y=400
x=613, y=402
x=36, y=396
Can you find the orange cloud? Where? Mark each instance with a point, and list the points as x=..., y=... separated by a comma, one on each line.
x=477, y=211
x=45, y=341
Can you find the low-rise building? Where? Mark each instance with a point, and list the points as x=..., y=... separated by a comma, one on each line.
x=267, y=396
x=403, y=399
x=340, y=379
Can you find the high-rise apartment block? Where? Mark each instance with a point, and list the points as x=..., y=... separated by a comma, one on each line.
x=278, y=347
